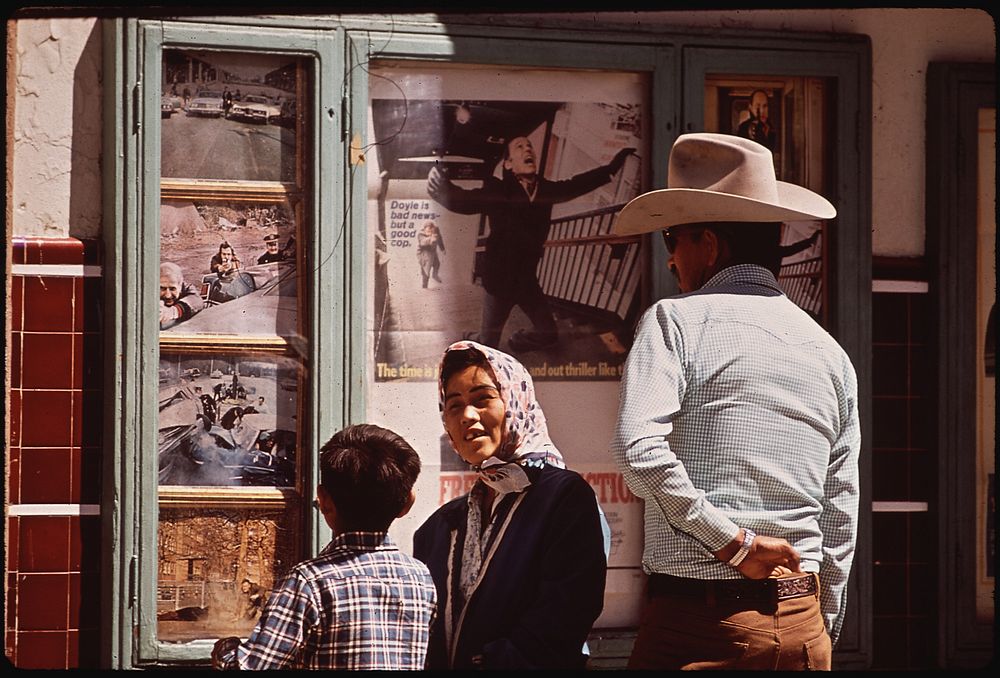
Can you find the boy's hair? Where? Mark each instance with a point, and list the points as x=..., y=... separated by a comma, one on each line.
x=368, y=471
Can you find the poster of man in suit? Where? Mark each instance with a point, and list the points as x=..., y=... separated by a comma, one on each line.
x=522, y=180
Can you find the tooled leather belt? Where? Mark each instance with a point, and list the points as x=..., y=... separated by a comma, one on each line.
x=769, y=590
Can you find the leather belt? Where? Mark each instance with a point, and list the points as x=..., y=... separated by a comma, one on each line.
x=769, y=590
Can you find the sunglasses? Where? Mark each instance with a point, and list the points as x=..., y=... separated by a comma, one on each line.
x=670, y=236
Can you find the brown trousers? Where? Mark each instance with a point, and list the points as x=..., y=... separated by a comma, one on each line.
x=685, y=632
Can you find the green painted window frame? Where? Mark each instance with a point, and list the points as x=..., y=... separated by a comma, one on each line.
x=132, y=234
x=336, y=383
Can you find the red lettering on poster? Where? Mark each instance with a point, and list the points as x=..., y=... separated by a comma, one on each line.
x=610, y=488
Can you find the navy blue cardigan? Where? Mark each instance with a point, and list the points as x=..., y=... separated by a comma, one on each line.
x=543, y=588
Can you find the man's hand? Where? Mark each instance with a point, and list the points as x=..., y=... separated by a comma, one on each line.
x=436, y=181
x=768, y=554
x=619, y=159
x=169, y=313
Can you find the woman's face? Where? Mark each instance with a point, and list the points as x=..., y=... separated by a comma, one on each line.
x=474, y=414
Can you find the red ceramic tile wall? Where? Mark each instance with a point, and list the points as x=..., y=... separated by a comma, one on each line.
x=46, y=476
x=48, y=304
x=43, y=543
x=10, y=610
x=41, y=650
x=54, y=457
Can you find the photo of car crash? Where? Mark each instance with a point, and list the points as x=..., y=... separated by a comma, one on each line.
x=228, y=421
x=255, y=108
x=228, y=268
x=229, y=115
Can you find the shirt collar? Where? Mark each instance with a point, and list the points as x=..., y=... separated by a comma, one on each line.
x=360, y=541
x=743, y=274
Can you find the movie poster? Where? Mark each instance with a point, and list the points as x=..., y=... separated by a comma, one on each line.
x=491, y=210
x=788, y=116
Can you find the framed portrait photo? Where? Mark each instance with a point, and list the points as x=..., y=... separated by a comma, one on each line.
x=788, y=116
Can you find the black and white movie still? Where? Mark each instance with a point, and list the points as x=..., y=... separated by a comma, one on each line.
x=521, y=195
x=228, y=421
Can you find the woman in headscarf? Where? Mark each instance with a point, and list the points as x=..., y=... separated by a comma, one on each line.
x=519, y=562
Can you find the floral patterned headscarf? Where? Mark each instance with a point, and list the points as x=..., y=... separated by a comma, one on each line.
x=525, y=448
x=526, y=436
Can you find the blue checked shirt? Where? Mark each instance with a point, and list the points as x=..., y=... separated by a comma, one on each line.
x=738, y=410
x=359, y=604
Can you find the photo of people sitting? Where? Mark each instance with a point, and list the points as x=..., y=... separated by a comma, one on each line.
x=239, y=259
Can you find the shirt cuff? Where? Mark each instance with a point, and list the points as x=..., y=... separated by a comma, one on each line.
x=716, y=531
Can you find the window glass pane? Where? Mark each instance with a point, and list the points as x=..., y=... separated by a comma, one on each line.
x=229, y=115
x=492, y=192
x=790, y=116
x=230, y=472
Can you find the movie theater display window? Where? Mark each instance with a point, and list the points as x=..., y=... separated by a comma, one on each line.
x=231, y=340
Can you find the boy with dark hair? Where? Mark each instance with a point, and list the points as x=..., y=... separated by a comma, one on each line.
x=360, y=603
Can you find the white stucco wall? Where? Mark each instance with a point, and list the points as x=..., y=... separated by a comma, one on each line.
x=57, y=116
x=56, y=134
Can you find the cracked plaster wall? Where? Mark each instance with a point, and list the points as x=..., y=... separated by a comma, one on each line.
x=56, y=134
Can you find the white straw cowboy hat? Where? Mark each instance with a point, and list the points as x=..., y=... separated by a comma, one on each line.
x=715, y=178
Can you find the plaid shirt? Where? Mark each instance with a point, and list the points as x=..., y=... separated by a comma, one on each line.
x=359, y=604
x=738, y=410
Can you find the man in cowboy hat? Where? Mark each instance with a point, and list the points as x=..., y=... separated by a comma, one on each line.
x=738, y=425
